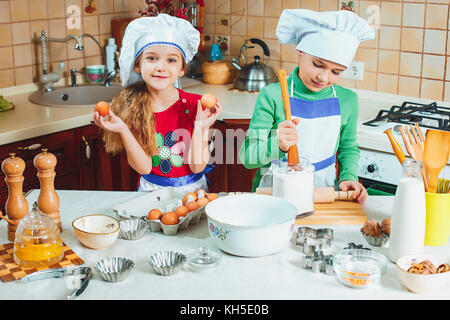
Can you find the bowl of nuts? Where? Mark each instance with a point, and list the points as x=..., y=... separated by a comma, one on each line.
x=424, y=273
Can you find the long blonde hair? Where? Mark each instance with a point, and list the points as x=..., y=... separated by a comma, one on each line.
x=132, y=105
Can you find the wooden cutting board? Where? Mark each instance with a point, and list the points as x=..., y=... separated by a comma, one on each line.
x=335, y=213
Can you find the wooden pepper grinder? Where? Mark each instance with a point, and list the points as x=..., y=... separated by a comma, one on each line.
x=16, y=205
x=48, y=200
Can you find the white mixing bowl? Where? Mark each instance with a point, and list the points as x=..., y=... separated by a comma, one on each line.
x=251, y=225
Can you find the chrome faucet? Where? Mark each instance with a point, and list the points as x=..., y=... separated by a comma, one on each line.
x=47, y=79
x=109, y=75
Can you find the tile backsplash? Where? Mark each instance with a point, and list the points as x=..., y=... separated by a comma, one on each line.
x=409, y=56
x=22, y=20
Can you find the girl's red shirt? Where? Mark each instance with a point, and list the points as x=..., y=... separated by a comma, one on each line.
x=174, y=128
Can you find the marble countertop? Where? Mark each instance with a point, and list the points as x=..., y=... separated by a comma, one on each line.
x=278, y=276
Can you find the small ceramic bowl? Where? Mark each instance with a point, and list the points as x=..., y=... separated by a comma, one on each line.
x=166, y=263
x=422, y=283
x=133, y=229
x=96, y=231
x=114, y=269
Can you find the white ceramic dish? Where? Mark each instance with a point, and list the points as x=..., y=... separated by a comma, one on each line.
x=422, y=283
x=251, y=225
x=96, y=231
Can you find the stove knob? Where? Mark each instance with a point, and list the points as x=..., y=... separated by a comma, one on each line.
x=371, y=168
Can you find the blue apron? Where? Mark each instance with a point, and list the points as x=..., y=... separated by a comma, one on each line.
x=318, y=133
x=194, y=181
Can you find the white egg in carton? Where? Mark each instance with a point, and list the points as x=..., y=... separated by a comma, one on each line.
x=164, y=200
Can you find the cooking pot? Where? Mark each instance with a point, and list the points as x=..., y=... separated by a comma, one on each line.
x=256, y=75
x=251, y=225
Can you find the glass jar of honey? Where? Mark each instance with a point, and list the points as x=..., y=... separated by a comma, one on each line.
x=38, y=241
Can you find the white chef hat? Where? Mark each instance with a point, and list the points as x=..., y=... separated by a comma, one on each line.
x=160, y=30
x=330, y=35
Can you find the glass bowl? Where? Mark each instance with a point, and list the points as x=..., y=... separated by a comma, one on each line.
x=359, y=268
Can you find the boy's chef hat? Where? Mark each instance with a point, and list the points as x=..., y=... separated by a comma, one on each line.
x=330, y=35
x=160, y=30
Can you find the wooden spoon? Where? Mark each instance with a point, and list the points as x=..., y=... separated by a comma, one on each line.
x=293, y=151
x=437, y=149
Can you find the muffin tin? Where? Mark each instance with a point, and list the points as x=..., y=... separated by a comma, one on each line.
x=167, y=263
x=114, y=269
x=133, y=228
x=165, y=200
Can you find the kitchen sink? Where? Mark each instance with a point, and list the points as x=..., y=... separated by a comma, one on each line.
x=80, y=96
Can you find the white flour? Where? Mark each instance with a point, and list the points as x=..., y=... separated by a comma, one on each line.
x=295, y=186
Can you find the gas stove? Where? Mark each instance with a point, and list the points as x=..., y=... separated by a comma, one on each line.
x=384, y=168
x=429, y=116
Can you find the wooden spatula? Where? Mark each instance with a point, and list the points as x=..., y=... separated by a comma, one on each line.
x=293, y=151
x=437, y=149
x=415, y=145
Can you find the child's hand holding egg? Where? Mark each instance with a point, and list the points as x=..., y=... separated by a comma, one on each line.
x=102, y=108
x=208, y=100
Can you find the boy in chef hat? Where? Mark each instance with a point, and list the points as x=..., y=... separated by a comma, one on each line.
x=324, y=114
x=163, y=129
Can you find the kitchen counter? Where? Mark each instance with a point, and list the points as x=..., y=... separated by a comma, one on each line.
x=278, y=276
x=30, y=120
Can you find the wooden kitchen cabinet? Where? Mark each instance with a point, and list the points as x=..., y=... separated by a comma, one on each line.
x=100, y=170
x=229, y=174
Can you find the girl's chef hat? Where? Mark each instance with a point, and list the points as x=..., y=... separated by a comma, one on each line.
x=330, y=35
x=160, y=30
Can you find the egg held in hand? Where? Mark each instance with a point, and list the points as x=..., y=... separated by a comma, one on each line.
x=208, y=100
x=102, y=108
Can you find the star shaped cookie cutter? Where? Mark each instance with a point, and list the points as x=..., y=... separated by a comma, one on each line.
x=312, y=242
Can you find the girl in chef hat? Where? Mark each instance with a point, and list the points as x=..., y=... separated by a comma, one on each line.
x=324, y=114
x=163, y=129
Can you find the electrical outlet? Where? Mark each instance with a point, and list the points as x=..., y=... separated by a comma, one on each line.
x=355, y=71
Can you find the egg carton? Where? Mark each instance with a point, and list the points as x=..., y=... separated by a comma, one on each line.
x=165, y=200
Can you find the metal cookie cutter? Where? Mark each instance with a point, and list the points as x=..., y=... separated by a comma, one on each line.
x=318, y=262
x=310, y=240
x=352, y=245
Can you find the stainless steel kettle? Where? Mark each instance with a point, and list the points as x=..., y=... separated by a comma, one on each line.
x=256, y=75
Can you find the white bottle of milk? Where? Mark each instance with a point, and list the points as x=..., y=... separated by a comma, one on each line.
x=408, y=213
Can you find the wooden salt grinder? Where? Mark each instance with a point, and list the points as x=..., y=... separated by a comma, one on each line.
x=48, y=200
x=16, y=205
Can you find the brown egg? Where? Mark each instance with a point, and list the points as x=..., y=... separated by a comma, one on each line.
x=181, y=211
x=186, y=197
x=170, y=218
x=212, y=196
x=200, y=193
x=193, y=205
x=154, y=214
x=208, y=100
x=202, y=202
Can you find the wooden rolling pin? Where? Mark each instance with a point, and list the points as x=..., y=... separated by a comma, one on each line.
x=328, y=194
x=293, y=151
x=321, y=195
